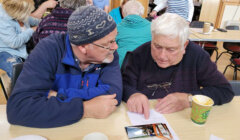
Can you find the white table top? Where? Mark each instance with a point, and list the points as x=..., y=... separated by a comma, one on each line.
x=223, y=121
x=229, y=36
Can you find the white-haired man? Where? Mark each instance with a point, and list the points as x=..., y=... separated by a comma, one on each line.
x=171, y=69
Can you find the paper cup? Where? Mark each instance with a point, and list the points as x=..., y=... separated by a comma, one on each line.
x=206, y=28
x=201, y=106
x=95, y=136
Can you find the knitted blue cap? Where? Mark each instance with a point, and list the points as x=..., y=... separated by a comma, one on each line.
x=88, y=24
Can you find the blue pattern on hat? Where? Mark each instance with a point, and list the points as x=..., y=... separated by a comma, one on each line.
x=88, y=24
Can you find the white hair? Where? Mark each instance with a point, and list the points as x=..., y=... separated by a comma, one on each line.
x=72, y=4
x=171, y=25
x=133, y=7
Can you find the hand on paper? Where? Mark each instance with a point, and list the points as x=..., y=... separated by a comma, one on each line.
x=100, y=107
x=139, y=103
x=172, y=103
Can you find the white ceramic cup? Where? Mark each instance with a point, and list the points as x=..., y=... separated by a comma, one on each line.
x=95, y=136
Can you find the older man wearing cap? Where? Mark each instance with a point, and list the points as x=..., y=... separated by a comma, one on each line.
x=68, y=77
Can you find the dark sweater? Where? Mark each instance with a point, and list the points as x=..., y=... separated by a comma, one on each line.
x=52, y=66
x=56, y=22
x=195, y=74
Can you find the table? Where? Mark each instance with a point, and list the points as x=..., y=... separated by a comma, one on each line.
x=229, y=36
x=223, y=121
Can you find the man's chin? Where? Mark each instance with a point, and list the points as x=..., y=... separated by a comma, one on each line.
x=163, y=65
x=107, y=60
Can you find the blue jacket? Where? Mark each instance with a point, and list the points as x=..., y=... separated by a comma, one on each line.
x=52, y=66
x=12, y=38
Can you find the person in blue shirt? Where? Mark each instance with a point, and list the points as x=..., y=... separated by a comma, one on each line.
x=15, y=31
x=70, y=76
x=102, y=4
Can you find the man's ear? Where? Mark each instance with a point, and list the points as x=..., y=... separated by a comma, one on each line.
x=185, y=44
x=83, y=49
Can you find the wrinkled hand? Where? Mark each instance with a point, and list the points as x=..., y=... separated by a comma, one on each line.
x=50, y=4
x=100, y=107
x=172, y=103
x=52, y=93
x=139, y=103
x=153, y=13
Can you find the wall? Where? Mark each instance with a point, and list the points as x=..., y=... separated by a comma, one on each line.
x=209, y=10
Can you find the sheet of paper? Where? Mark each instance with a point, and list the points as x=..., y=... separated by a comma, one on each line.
x=212, y=137
x=155, y=117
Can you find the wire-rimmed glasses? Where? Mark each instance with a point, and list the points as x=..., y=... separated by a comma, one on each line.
x=164, y=85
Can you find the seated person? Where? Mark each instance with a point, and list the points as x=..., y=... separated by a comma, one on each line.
x=42, y=6
x=171, y=69
x=117, y=13
x=184, y=8
x=102, y=4
x=70, y=76
x=15, y=31
x=134, y=30
x=56, y=22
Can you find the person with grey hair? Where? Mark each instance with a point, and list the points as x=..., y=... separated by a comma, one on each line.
x=56, y=22
x=134, y=30
x=171, y=69
x=133, y=7
x=70, y=76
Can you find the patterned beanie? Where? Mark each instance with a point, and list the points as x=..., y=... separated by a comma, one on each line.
x=88, y=24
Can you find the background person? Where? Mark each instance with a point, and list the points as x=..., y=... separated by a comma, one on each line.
x=15, y=31
x=56, y=22
x=184, y=8
x=102, y=4
x=117, y=13
x=134, y=30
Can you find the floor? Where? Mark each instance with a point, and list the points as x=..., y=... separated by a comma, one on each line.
x=222, y=62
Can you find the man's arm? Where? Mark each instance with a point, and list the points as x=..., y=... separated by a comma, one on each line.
x=43, y=8
x=136, y=101
x=160, y=5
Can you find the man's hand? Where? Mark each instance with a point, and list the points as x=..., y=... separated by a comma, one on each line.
x=100, y=107
x=52, y=93
x=153, y=13
x=139, y=103
x=172, y=103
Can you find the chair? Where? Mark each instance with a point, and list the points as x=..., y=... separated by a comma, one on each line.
x=235, y=63
x=2, y=73
x=125, y=61
x=235, y=86
x=231, y=48
x=208, y=46
x=17, y=68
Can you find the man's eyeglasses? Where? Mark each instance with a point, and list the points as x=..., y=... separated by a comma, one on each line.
x=164, y=85
x=109, y=45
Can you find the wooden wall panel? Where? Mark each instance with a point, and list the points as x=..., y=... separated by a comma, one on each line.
x=209, y=10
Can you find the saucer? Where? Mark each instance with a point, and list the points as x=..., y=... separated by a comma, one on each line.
x=95, y=136
x=29, y=137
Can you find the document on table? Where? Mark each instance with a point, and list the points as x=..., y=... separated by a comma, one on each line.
x=155, y=117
